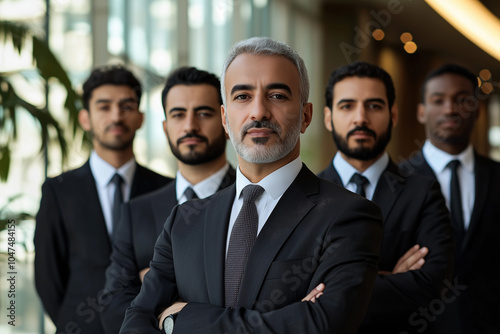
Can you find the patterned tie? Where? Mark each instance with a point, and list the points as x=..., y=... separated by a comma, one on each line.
x=242, y=239
x=457, y=217
x=117, y=180
x=189, y=193
x=360, y=181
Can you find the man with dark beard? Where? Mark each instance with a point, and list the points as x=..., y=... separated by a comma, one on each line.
x=191, y=101
x=79, y=209
x=417, y=248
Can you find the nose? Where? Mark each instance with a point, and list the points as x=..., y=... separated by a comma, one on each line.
x=191, y=123
x=450, y=107
x=117, y=113
x=360, y=118
x=259, y=108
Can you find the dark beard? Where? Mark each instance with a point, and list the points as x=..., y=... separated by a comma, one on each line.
x=212, y=152
x=362, y=153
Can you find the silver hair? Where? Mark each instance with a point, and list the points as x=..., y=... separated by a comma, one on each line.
x=269, y=47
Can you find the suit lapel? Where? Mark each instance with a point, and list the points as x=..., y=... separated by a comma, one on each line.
x=216, y=224
x=282, y=222
x=163, y=205
x=388, y=188
x=97, y=223
x=228, y=179
x=331, y=174
x=421, y=166
x=481, y=172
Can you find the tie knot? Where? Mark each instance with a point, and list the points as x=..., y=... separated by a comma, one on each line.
x=189, y=193
x=251, y=192
x=117, y=179
x=359, y=180
x=453, y=165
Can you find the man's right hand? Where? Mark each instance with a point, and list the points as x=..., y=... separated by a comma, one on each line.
x=413, y=259
x=315, y=293
x=142, y=273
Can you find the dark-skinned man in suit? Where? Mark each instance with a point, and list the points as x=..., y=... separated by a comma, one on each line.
x=449, y=110
x=417, y=249
x=193, y=126
x=244, y=264
x=78, y=215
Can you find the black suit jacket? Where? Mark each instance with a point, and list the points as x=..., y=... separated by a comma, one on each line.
x=318, y=232
x=477, y=271
x=142, y=221
x=414, y=213
x=73, y=247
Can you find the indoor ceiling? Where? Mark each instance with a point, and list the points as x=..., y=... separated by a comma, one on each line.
x=431, y=32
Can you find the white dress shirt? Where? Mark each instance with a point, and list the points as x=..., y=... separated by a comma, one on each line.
x=103, y=173
x=438, y=160
x=372, y=173
x=202, y=189
x=275, y=185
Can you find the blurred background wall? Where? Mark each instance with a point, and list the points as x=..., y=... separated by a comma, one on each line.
x=407, y=38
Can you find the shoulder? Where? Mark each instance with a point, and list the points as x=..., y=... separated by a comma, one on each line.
x=147, y=174
x=70, y=177
x=159, y=194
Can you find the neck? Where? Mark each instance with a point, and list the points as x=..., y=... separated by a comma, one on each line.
x=115, y=158
x=197, y=173
x=256, y=171
x=453, y=148
x=360, y=165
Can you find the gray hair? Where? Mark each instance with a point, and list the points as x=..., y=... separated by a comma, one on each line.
x=269, y=47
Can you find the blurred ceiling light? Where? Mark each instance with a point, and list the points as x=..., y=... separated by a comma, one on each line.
x=473, y=20
x=410, y=47
x=485, y=74
x=22, y=10
x=378, y=34
x=487, y=87
x=406, y=37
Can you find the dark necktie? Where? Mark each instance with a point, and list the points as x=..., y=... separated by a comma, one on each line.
x=117, y=200
x=189, y=193
x=242, y=239
x=457, y=217
x=360, y=181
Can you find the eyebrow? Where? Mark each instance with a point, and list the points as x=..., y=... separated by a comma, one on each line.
x=375, y=99
x=462, y=92
x=270, y=86
x=195, y=109
x=125, y=100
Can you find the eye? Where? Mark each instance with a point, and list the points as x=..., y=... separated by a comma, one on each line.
x=177, y=115
x=204, y=114
x=374, y=106
x=345, y=106
x=241, y=97
x=437, y=102
x=279, y=96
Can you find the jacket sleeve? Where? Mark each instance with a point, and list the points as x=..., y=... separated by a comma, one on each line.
x=347, y=264
x=51, y=252
x=122, y=276
x=399, y=295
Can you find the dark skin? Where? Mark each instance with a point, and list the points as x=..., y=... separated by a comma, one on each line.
x=449, y=112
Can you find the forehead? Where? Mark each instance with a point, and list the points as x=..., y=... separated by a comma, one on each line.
x=261, y=70
x=203, y=94
x=448, y=83
x=356, y=88
x=112, y=93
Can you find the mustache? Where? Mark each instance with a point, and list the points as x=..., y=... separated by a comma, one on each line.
x=445, y=118
x=116, y=125
x=191, y=135
x=262, y=124
x=363, y=128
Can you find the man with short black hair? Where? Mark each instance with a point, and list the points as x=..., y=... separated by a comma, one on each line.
x=79, y=209
x=193, y=126
x=470, y=184
x=417, y=249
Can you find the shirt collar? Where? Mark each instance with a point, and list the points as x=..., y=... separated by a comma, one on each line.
x=372, y=173
x=103, y=171
x=204, y=188
x=276, y=183
x=439, y=159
